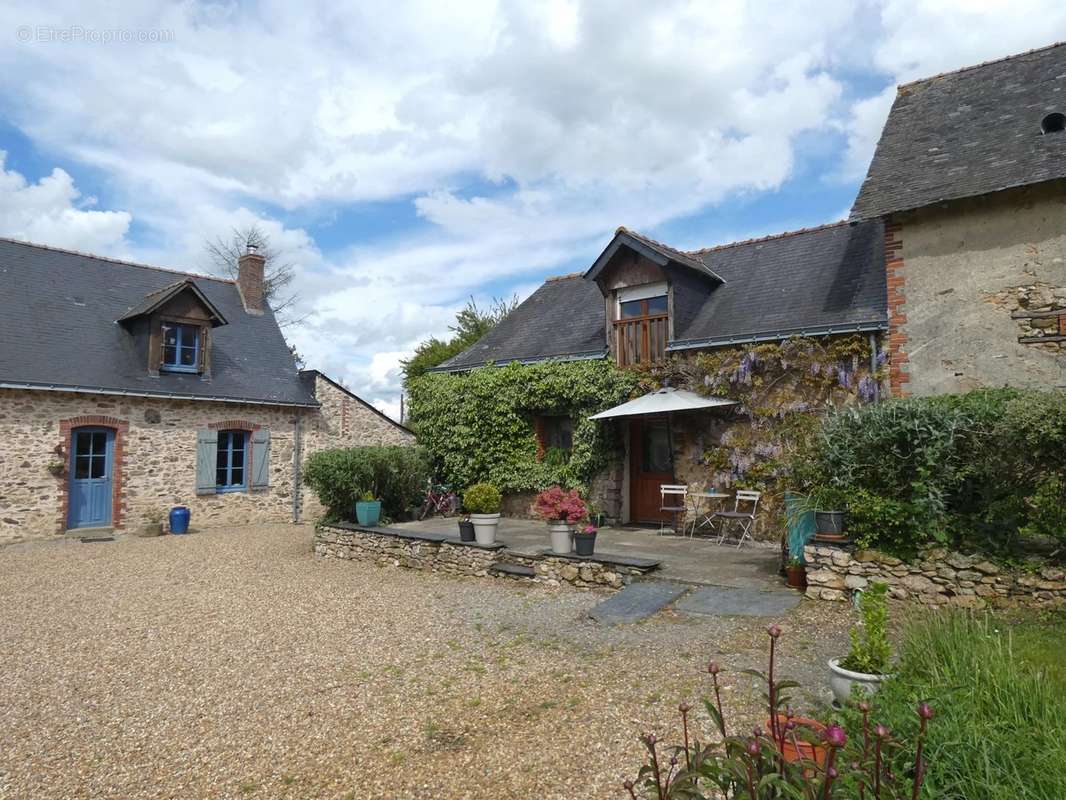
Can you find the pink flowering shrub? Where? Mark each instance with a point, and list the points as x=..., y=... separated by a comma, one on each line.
x=557, y=504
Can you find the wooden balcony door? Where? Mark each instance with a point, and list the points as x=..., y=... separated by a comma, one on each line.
x=641, y=331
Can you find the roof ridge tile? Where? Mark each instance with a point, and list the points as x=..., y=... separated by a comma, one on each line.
x=980, y=64
x=123, y=262
x=768, y=238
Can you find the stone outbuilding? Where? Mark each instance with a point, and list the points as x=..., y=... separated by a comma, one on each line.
x=126, y=389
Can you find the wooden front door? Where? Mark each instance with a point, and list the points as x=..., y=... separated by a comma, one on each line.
x=650, y=466
x=91, y=459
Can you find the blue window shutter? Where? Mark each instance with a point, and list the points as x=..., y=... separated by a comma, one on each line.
x=260, y=459
x=206, y=459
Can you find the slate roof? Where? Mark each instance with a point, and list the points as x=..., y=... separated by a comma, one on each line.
x=968, y=133
x=564, y=318
x=812, y=281
x=59, y=328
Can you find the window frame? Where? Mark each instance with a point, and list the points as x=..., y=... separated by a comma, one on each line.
x=181, y=329
x=227, y=436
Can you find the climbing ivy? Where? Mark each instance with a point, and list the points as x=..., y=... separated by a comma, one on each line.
x=479, y=425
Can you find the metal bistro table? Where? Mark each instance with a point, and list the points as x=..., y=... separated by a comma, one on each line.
x=711, y=498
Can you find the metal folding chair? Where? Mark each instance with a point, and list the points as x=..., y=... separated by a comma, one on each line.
x=745, y=519
x=672, y=498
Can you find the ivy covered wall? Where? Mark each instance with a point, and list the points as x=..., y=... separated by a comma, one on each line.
x=479, y=425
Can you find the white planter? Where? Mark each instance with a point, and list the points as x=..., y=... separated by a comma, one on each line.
x=841, y=681
x=485, y=527
x=559, y=533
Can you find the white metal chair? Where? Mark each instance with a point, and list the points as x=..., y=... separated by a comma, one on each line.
x=745, y=519
x=672, y=499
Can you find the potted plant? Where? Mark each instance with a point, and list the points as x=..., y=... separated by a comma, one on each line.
x=560, y=508
x=796, y=572
x=866, y=664
x=483, y=501
x=466, y=530
x=585, y=540
x=829, y=504
x=368, y=510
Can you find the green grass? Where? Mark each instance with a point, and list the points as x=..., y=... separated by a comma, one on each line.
x=998, y=687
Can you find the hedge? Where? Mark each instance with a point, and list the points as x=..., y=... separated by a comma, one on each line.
x=395, y=475
x=979, y=469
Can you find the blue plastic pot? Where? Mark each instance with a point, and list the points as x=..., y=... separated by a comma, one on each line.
x=368, y=513
x=179, y=519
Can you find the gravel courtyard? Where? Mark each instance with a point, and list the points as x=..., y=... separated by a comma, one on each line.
x=232, y=664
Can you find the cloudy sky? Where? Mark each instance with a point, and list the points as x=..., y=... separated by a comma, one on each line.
x=407, y=156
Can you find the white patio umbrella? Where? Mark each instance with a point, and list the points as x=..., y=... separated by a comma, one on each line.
x=663, y=401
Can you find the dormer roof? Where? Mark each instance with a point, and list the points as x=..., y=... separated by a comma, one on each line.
x=158, y=298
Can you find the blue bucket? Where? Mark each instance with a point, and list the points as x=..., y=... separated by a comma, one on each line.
x=179, y=519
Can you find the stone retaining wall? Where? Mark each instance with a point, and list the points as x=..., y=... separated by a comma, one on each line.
x=453, y=557
x=938, y=577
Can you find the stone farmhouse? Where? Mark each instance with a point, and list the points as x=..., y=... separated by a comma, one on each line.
x=126, y=389
x=952, y=266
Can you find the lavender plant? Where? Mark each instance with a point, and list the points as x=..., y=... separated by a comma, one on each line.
x=795, y=758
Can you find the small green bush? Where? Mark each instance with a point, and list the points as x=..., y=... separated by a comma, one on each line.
x=1000, y=727
x=870, y=649
x=340, y=477
x=482, y=498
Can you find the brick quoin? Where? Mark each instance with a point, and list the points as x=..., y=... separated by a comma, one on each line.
x=118, y=490
x=897, y=318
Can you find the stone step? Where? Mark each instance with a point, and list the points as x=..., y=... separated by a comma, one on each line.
x=725, y=601
x=517, y=570
x=637, y=601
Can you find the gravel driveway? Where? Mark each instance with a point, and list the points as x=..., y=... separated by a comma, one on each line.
x=231, y=664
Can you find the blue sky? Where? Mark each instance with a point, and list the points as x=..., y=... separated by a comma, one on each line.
x=405, y=162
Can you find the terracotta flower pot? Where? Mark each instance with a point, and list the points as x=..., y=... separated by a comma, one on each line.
x=797, y=577
x=802, y=749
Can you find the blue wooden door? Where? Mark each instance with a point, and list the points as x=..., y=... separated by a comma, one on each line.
x=91, y=457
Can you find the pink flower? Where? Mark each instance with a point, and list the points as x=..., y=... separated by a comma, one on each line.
x=557, y=504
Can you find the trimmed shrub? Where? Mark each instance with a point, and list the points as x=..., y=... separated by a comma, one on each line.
x=393, y=474
x=482, y=498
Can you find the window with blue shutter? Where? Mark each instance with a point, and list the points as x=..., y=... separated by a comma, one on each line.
x=231, y=464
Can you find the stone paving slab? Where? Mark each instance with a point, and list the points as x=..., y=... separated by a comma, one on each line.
x=637, y=601
x=725, y=601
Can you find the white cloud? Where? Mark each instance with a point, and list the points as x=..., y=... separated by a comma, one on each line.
x=53, y=211
x=568, y=118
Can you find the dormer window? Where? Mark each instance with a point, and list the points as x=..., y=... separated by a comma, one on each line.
x=181, y=348
x=642, y=324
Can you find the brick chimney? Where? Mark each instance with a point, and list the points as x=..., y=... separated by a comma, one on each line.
x=250, y=279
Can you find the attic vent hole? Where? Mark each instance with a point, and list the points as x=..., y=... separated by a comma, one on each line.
x=1053, y=123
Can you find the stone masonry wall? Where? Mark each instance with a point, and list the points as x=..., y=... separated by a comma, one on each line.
x=155, y=456
x=938, y=577
x=464, y=559
x=157, y=462
x=965, y=282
